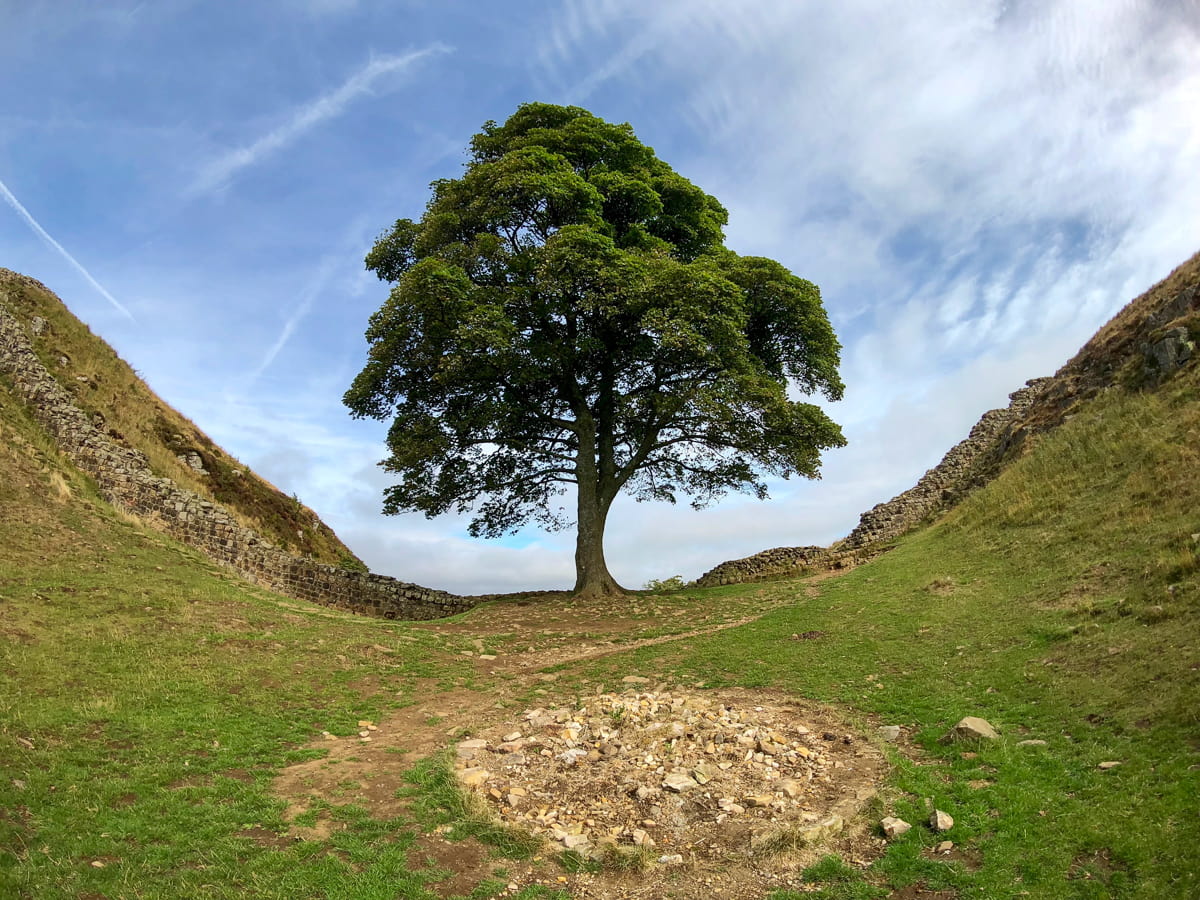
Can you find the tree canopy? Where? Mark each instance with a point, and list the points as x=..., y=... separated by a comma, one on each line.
x=564, y=314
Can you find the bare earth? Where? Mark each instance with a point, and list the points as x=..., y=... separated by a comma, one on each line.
x=682, y=793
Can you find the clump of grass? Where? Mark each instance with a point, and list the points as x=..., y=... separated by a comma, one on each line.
x=439, y=798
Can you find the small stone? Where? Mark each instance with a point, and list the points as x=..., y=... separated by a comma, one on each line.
x=671, y=859
x=473, y=777
x=573, y=756
x=511, y=736
x=470, y=749
x=487, y=657
x=575, y=841
x=635, y=679
x=971, y=728
x=890, y=733
x=758, y=800
x=363, y=723
x=642, y=838
x=679, y=782
x=941, y=821
x=1110, y=764
x=97, y=864
x=944, y=847
x=1031, y=743
x=893, y=827
x=790, y=787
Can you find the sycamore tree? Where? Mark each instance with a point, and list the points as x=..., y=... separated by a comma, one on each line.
x=565, y=316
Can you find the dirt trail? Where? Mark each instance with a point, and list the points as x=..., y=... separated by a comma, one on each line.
x=524, y=637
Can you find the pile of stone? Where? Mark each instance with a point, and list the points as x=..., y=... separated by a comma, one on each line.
x=655, y=771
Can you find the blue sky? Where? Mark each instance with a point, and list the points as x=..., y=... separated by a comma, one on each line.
x=975, y=186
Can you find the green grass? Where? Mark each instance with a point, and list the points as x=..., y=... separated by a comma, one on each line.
x=1061, y=603
x=147, y=698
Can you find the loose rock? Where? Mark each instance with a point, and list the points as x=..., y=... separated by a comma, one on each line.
x=971, y=728
x=893, y=827
x=941, y=821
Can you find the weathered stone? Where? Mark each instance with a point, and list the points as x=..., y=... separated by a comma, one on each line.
x=971, y=728
x=671, y=859
x=468, y=749
x=1111, y=764
x=789, y=787
x=679, y=782
x=758, y=800
x=890, y=733
x=473, y=777
x=1033, y=742
x=893, y=827
x=941, y=821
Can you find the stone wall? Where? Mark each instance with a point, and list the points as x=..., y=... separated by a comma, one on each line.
x=778, y=562
x=942, y=485
x=1141, y=346
x=125, y=479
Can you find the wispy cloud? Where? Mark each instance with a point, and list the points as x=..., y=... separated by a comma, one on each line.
x=327, y=106
x=41, y=232
x=316, y=285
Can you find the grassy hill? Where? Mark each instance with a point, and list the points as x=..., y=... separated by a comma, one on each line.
x=150, y=703
x=120, y=403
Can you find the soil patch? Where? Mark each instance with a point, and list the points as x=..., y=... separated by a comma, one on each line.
x=468, y=863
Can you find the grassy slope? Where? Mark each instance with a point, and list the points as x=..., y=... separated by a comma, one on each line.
x=146, y=698
x=103, y=383
x=1061, y=603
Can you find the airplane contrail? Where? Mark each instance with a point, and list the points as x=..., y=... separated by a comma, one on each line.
x=45, y=236
x=307, y=117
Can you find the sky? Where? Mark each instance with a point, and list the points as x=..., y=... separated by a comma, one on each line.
x=975, y=186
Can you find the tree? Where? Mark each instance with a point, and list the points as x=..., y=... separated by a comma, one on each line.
x=565, y=313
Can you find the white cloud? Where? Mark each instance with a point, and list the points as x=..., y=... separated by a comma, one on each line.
x=219, y=171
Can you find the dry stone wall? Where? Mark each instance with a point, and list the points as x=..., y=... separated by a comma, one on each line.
x=1142, y=345
x=125, y=479
x=945, y=482
x=889, y=520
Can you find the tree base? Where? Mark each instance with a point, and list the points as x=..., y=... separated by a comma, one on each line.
x=603, y=589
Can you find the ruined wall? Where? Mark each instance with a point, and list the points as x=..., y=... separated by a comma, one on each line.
x=125, y=479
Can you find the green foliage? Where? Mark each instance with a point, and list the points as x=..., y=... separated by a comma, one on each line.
x=663, y=585
x=566, y=313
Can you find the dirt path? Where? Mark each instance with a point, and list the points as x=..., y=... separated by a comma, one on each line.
x=513, y=642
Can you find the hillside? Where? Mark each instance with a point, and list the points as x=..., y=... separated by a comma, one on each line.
x=119, y=404
x=279, y=749
x=1143, y=344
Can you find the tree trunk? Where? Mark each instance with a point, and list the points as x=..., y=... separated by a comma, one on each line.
x=592, y=578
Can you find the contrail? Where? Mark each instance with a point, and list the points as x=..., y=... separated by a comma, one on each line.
x=309, y=116
x=45, y=236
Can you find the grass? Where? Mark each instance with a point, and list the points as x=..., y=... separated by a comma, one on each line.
x=105, y=386
x=147, y=698
x=1061, y=603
